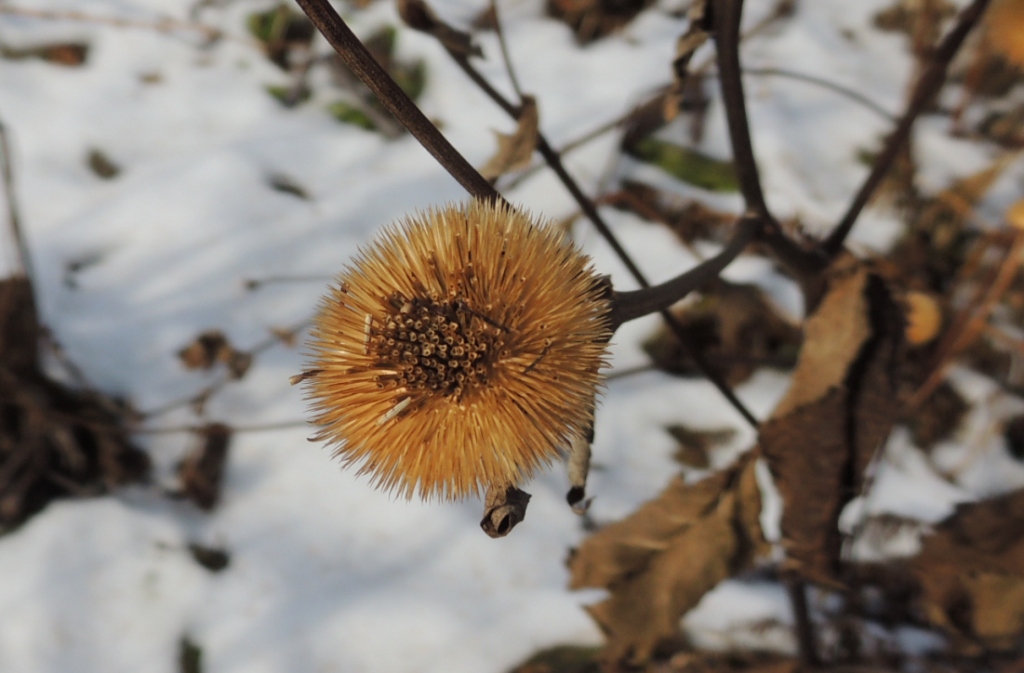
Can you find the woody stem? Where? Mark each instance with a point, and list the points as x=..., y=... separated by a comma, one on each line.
x=627, y=306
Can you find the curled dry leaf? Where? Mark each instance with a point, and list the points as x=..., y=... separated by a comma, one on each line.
x=660, y=561
x=516, y=149
x=839, y=409
x=504, y=509
x=971, y=574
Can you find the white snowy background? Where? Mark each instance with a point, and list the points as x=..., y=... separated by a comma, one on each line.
x=327, y=574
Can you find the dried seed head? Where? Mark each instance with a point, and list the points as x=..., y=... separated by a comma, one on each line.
x=462, y=354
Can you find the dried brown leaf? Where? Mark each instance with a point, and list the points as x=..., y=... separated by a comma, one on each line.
x=515, y=150
x=694, y=444
x=839, y=409
x=660, y=561
x=735, y=327
x=971, y=573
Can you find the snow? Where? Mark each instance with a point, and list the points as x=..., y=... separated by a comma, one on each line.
x=327, y=574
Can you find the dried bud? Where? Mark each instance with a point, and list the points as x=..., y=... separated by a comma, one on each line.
x=459, y=352
x=924, y=318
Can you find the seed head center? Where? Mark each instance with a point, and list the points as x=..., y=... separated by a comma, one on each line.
x=437, y=347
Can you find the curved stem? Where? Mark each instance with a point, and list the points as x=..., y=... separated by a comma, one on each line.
x=727, y=14
x=803, y=264
x=398, y=103
x=628, y=306
x=927, y=87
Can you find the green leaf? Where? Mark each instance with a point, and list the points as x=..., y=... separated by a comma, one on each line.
x=688, y=165
x=281, y=95
x=347, y=113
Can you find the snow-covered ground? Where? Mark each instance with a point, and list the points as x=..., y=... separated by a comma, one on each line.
x=327, y=574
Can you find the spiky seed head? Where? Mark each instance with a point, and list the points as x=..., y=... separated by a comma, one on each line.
x=459, y=352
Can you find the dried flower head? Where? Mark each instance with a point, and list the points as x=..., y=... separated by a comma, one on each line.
x=459, y=352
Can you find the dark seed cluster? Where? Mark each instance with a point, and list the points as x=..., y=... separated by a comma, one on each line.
x=437, y=346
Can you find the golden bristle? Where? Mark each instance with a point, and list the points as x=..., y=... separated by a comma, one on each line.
x=459, y=352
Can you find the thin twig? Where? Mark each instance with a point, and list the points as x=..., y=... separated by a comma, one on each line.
x=972, y=324
x=804, y=264
x=627, y=306
x=925, y=91
x=162, y=24
x=847, y=92
x=206, y=392
x=504, y=50
x=398, y=103
x=805, y=638
x=236, y=429
x=727, y=14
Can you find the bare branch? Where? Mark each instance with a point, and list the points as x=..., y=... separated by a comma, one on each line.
x=924, y=92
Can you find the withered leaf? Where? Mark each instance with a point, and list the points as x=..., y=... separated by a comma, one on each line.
x=690, y=219
x=418, y=15
x=515, y=150
x=102, y=165
x=971, y=573
x=69, y=54
x=695, y=444
x=594, y=19
x=735, y=327
x=660, y=561
x=204, y=350
x=55, y=441
x=839, y=409
x=213, y=347
x=504, y=509
x=202, y=470
x=211, y=558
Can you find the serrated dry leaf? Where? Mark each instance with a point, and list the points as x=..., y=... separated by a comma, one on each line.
x=971, y=573
x=515, y=150
x=660, y=561
x=839, y=409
